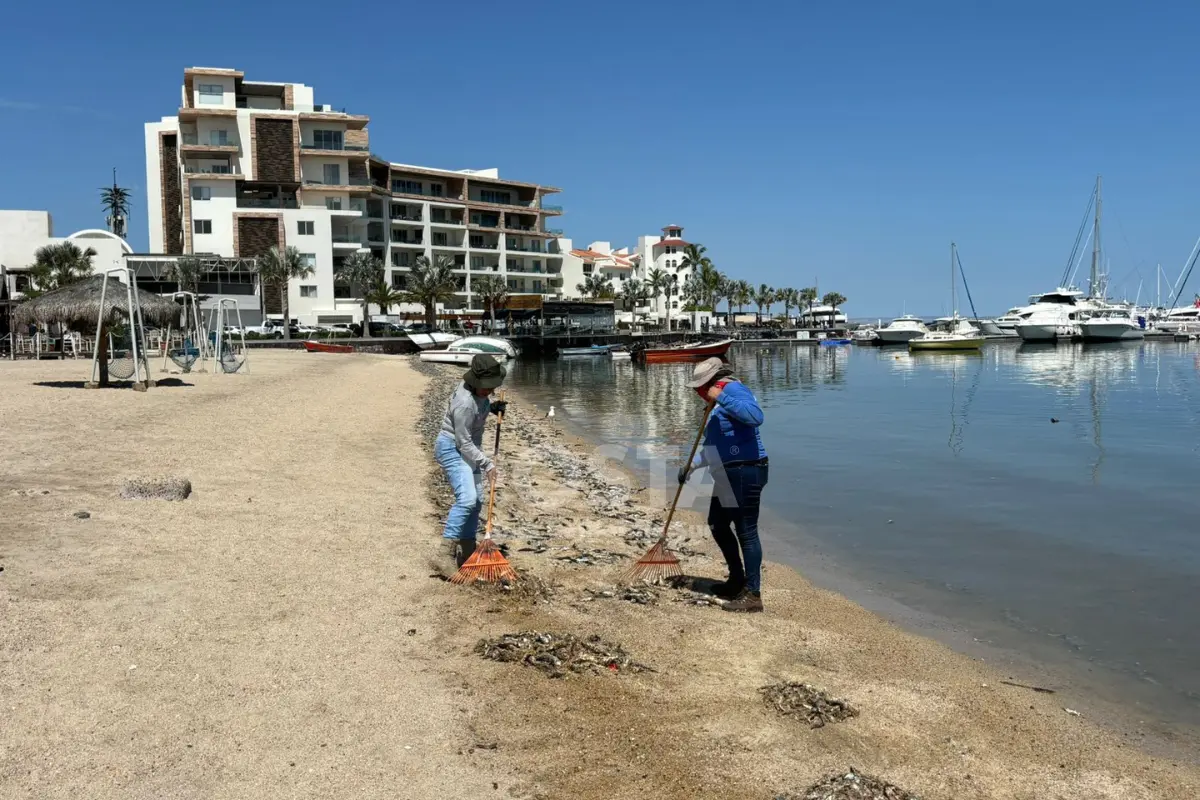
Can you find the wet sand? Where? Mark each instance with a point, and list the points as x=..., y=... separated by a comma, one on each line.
x=279, y=634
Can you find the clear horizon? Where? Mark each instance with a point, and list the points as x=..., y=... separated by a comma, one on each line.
x=843, y=145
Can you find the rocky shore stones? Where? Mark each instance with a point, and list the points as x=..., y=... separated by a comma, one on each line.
x=807, y=702
x=851, y=785
x=559, y=654
x=163, y=488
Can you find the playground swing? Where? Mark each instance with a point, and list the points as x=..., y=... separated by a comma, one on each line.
x=229, y=354
x=194, y=342
x=126, y=352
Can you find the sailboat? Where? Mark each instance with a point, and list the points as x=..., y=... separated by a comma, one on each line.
x=960, y=335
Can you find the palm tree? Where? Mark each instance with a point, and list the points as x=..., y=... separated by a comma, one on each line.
x=657, y=281
x=719, y=292
x=115, y=201
x=362, y=271
x=383, y=295
x=276, y=268
x=57, y=265
x=763, y=297
x=789, y=298
x=694, y=258
x=595, y=286
x=633, y=294
x=430, y=283
x=743, y=294
x=833, y=300
x=493, y=291
x=671, y=287
x=808, y=297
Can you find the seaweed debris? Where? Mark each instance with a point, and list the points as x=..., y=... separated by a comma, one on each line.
x=558, y=654
x=807, y=702
x=851, y=785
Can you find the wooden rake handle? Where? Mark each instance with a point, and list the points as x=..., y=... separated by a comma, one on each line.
x=691, y=455
x=487, y=531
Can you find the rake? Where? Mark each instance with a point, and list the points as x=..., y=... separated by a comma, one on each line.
x=487, y=564
x=660, y=564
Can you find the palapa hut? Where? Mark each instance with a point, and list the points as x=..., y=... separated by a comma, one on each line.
x=79, y=304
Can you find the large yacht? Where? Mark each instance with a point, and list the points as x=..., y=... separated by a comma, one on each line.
x=902, y=330
x=1180, y=320
x=1054, y=315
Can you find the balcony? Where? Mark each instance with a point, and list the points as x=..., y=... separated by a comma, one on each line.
x=221, y=171
x=446, y=221
x=190, y=143
x=267, y=202
x=406, y=241
x=344, y=149
x=485, y=245
x=551, y=209
x=348, y=182
x=555, y=231
x=343, y=239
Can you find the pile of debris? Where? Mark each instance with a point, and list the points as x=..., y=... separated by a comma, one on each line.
x=807, y=702
x=558, y=654
x=639, y=595
x=852, y=785
x=527, y=587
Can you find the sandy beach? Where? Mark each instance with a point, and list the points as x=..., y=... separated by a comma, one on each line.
x=287, y=631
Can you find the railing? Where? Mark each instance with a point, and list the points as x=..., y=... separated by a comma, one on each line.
x=256, y=202
x=406, y=218
x=549, y=207
x=194, y=139
x=354, y=148
x=228, y=170
x=347, y=182
x=527, y=249
x=414, y=242
x=444, y=221
x=346, y=238
x=451, y=245
x=484, y=246
x=555, y=231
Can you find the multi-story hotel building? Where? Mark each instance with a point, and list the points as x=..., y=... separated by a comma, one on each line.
x=247, y=165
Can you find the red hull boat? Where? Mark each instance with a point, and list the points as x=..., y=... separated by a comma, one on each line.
x=699, y=352
x=323, y=347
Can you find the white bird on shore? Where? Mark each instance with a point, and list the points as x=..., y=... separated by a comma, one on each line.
x=550, y=413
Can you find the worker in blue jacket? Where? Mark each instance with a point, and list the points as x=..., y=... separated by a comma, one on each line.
x=734, y=452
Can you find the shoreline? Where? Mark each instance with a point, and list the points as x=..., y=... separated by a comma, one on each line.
x=1130, y=709
x=578, y=500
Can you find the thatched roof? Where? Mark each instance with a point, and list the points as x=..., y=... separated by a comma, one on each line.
x=79, y=302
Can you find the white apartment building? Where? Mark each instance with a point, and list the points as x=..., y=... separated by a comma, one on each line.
x=247, y=165
x=23, y=233
x=663, y=252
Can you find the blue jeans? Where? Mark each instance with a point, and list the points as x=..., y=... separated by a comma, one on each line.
x=737, y=492
x=463, y=521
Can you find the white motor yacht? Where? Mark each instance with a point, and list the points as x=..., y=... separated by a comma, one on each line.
x=462, y=350
x=901, y=330
x=1054, y=315
x=1180, y=320
x=1112, y=325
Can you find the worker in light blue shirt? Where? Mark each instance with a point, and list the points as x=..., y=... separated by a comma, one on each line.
x=734, y=453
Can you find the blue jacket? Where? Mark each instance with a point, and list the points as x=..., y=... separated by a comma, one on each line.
x=732, y=429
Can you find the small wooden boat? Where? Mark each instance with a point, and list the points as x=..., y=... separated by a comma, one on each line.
x=697, y=352
x=946, y=341
x=325, y=347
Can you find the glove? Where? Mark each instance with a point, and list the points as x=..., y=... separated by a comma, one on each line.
x=683, y=475
x=499, y=406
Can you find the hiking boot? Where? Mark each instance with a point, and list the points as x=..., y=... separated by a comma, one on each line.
x=728, y=590
x=746, y=602
x=460, y=550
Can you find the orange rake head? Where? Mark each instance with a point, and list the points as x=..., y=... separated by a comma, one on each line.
x=486, y=565
x=658, y=565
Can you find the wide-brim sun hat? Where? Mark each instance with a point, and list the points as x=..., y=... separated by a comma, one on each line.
x=705, y=372
x=485, y=372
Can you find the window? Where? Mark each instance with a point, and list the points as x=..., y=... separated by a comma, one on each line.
x=308, y=291
x=218, y=138
x=309, y=259
x=435, y=189
x=211, y=94
x=399, y=281
x=537, y=266
x=477, y=262
x=333, y=204
x=439, y=239
x=304, y=228
x=406, y=187
x=537, y=285
x=327, y=140
x=490, y=196
x=512, y=285
x=332, y=174
x=202, y=226
x=512, y=264
x=201, y=192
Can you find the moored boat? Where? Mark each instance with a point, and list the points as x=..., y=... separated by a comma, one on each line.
x=901, y=330
x=946, y=341
x=697, y=352
x=462, y=350
x=326, y=347
x=432, y=340
x=1115, y=325
x=594, y=350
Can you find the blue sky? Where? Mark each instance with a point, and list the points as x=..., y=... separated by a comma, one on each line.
x=846, y=141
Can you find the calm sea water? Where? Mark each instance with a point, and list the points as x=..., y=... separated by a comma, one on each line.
x=940, y=483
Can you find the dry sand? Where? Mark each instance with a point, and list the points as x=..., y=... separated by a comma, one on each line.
x=254, y=640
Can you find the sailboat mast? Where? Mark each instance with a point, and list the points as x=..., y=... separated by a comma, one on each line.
x=1096, y=243
x=953, y=282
